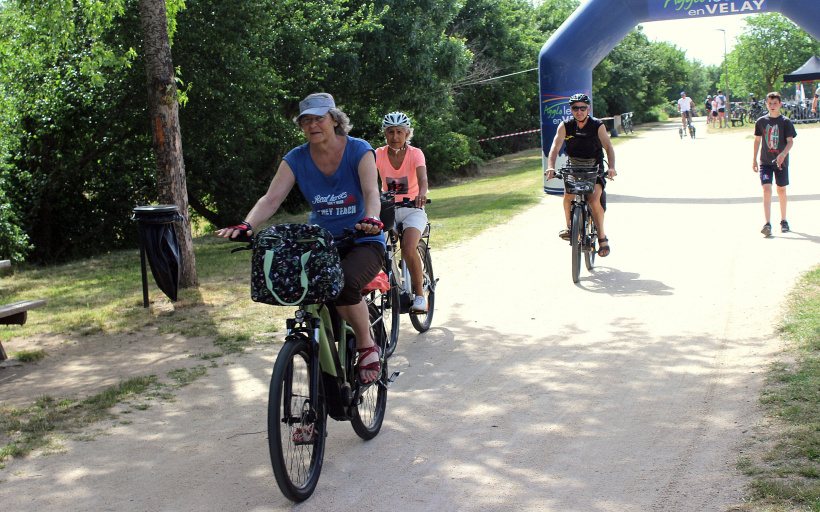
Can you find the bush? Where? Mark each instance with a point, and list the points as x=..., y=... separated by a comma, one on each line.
x=14, y=242
x=447, y=153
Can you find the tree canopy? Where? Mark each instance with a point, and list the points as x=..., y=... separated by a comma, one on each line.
x=771, y=46
x=75, y=144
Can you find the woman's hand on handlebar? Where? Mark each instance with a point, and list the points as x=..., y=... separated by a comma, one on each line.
x=611, y=173
x=243, y=230
x=421, y=200
x=369, y=225
x=550, y=174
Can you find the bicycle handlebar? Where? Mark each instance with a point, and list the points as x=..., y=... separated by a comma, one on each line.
x=564, y=171
x=347, y=236
x=408, y=203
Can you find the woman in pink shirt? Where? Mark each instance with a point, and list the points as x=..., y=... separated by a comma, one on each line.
x=401, y=164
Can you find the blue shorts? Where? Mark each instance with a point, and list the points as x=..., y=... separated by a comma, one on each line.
x=780, y=175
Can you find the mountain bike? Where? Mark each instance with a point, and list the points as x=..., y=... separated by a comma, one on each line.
x=626, y=122
x=315, y=377
x=737, y=114
x=583, y=234
x=755, y=111
x=401, y=291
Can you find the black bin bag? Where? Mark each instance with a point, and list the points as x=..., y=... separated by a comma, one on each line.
x=159, y=244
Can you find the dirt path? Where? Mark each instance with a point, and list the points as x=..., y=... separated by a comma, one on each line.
x=632, y=391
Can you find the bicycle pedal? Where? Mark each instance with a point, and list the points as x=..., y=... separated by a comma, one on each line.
x=392, y=379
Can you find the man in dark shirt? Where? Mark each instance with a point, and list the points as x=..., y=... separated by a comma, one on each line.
x=586, y=139
x=774, y=134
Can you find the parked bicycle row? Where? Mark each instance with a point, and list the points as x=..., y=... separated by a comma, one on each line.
x=800, y=112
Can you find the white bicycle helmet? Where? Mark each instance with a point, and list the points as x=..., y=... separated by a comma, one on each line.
x=396, y=119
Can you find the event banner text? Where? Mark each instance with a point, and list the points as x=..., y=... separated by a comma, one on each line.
x=675, y=9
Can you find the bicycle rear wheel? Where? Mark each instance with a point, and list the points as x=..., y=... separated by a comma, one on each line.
x=296, y=466
x=422, y=321
x=575, y=239
x=591, y=235
x=371, y=403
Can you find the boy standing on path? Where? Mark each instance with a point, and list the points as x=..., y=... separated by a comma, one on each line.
x=777, y=133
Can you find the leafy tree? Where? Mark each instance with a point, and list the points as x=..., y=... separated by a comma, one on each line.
x=551, y=14
x=500, y=95
x=770, y=47
x=245, y=80
x=69, y=135
x=638, y=74
x=163, y=107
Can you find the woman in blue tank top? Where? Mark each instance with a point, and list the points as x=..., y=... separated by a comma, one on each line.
x=337, y=175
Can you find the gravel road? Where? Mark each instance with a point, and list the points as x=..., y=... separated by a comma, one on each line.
x=635, y=390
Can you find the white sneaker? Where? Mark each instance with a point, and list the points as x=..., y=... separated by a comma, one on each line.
x=419, y=303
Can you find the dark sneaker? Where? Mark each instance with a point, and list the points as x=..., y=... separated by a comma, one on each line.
x=767, y=229
x=564, y=234
x=784, y=226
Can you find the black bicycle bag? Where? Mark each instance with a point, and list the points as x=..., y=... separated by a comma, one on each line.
x=294, y=264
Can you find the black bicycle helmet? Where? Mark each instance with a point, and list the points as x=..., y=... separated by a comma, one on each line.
x=575, y=98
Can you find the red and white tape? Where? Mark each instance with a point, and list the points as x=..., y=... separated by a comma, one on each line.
x=510, y=135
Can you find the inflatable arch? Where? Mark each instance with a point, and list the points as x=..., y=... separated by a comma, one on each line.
x=567, y=59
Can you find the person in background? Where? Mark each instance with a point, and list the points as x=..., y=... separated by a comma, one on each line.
x=721, y=104
x=403, y=166
x=708, y=105
x=774, y=137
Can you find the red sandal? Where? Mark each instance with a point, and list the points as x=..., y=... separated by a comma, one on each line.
x=376, y=365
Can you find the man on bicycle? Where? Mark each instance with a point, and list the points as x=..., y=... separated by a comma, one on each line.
x=685, y=106
x=586, y=139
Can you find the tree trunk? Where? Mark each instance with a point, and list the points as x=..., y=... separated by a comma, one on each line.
x=163, y=106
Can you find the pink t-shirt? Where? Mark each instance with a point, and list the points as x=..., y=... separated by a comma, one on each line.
x=406, y=179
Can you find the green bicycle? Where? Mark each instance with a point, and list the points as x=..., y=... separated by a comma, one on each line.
x=315, y=377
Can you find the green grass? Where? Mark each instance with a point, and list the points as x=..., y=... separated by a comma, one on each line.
x=460, y=211
x=39, y=427
x=29, y=356
x=785, y=466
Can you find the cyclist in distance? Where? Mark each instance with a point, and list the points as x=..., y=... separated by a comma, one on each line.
x=337, y=175
x=685, y=106
x=586, y=139
x=404, y=166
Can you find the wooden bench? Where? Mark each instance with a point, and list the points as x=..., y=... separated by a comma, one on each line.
x=15, y=313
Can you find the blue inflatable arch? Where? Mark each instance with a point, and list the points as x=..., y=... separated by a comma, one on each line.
x=567, y=59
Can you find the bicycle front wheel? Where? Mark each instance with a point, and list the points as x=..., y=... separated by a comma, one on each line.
x=575, y=239
x=591, y=235
x=371, y=402
x=297, y=429
x=422, y=321
x=391, y=317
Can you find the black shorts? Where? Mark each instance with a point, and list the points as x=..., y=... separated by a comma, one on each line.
x=780, y=175
x=721, y=110
x=361, y=263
